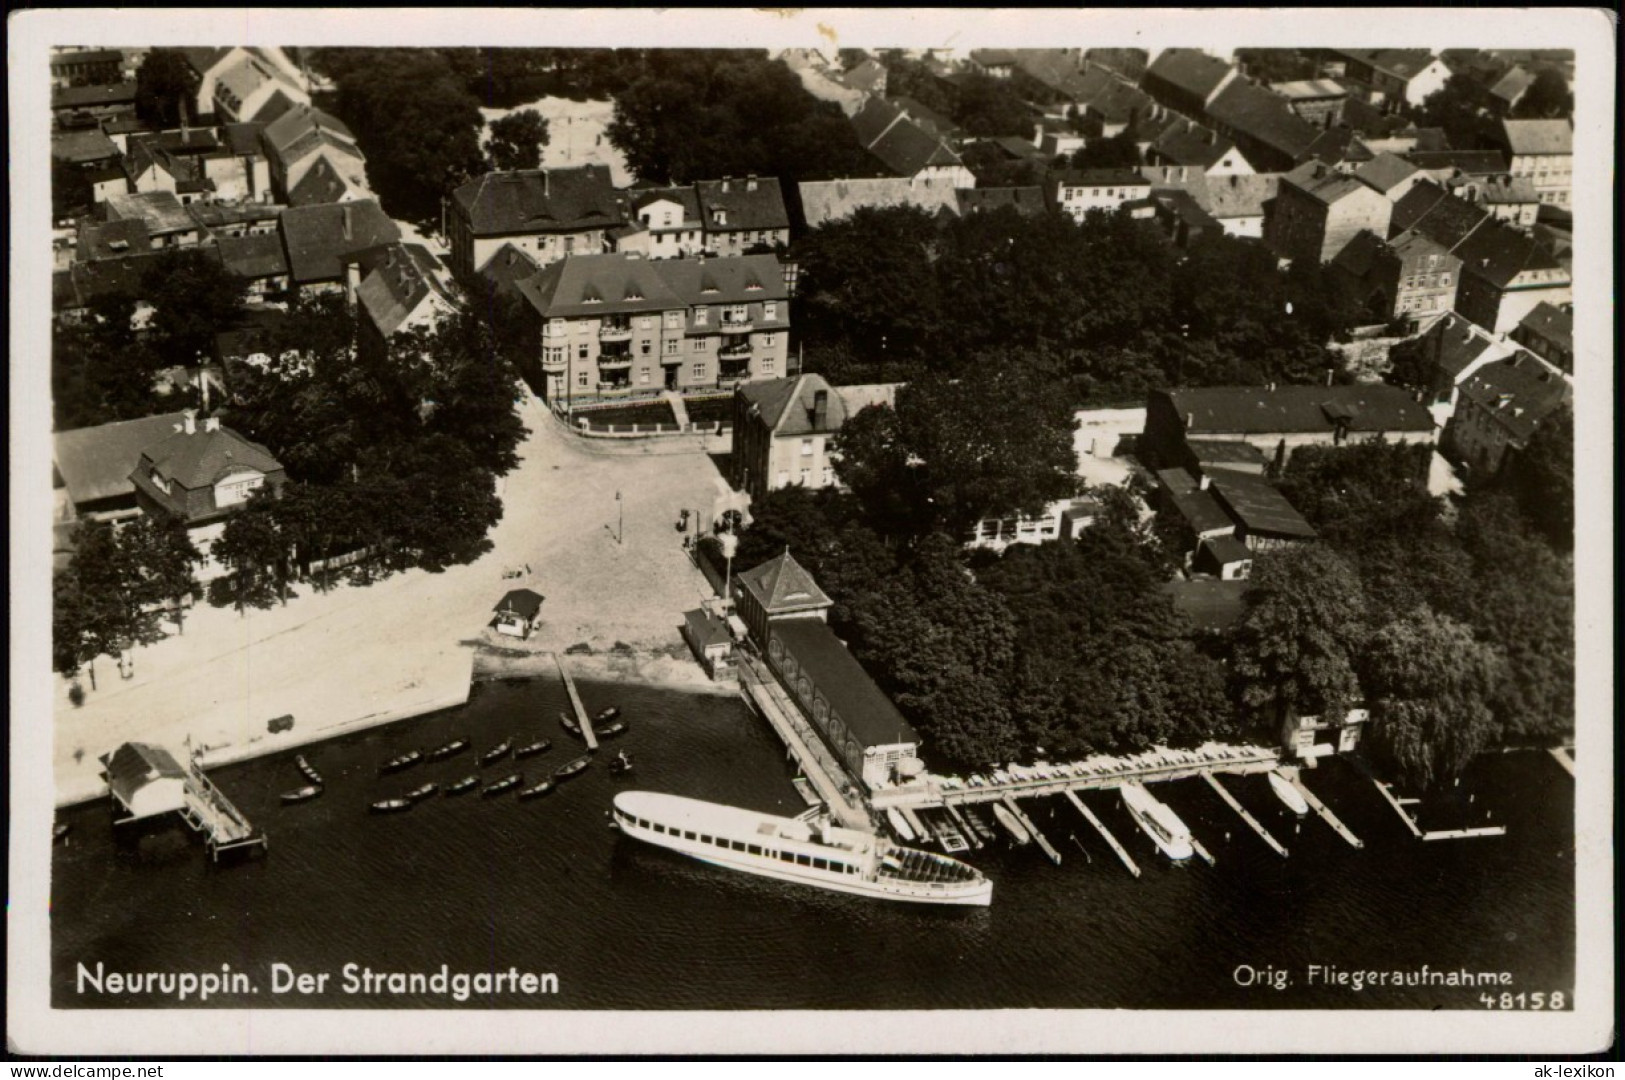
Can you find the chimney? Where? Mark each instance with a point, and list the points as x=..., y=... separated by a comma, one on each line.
x=345, y=210
x=211, y=424
x=725, y=185
x=750, y=182
x=189, y=421
x=186, y=123
x=1328, y=376
x=1190, y=420
x=820, y=409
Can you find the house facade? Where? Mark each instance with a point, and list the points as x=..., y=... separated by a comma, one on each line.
x=1542, y=151
x=1501, y=405
x=1318, y=210
x=1548, y=332
x=1397, y=76
x=1408, y=276
x=783, y=430
x=305, y=140
x=1078, y=191
x=546, y=213
x=614, y=325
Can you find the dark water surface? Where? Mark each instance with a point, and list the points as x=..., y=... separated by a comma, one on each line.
x=544, y=886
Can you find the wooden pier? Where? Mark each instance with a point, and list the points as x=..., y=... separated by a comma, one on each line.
x=575, y=704
x=1100, y=827
x=1399, y=807
x=1252, y=822
x=1207, y=856
x=1032, y=829
x=209, y=812
x=1325, y=813
x=965, y=827
x=1564, y=756
x=828, y=778
x=921, y=829
x=1462, y=834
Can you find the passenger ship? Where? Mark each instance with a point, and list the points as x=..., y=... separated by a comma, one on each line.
x=1158, y=822
x=824, y=855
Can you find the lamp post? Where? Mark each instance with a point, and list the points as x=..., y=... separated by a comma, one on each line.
x=620, y=527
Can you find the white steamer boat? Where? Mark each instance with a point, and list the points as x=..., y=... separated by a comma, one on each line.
x=1288, y=794
x=1161, y=824
x=819, y=854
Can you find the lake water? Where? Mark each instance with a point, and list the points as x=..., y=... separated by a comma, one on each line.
x=544, y=886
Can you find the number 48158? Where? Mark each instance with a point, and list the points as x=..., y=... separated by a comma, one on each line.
x=1524, y=1001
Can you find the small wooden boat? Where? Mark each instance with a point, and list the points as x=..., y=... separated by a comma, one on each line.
x=611, y=729
x=620, y=764
x=418, y=794
x=305, y=768
x=310, y=791
x=60, y=831
x=497, y=752
x=405, y=761
x=570, y=768
x=507, y=783
x=606, y=715
x=540, y=746
x=467, y=783
x=1290, y=796
x=898, y=825
x=543, y=788
x=1011, y=825
x=451, y=749
x=391, y=806
x=569, y=723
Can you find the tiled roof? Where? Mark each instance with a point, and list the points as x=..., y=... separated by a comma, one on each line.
x=1118, y=103
x=993, y=57
x=1187, y=143
x=705, y=630
x=218, y=214
x=135, y=765
x=1385, y=172
x=1539, y=136
x=831, y=200
x=1226, y=549
x=1512, y=85
x=1323, y=183
x=1059, y=72
x=1455, y=343
x=735, y=279
x=81, y=147
x=161, y=210
x=1122, y=177
x=245, y=139
x=684, y=195
x=1260, y=115
x=781, y=583
x=1469, y=162
x=787, y=404
x=89, y=97
x=507, y=268
x=1429, y=209
x=200, y=459
x=1130, y=63
x=1222, y=196
x=932, y=121
x=111, y=239
x=1551, y=323
x=1498, y=253
x=867, y=76
x=322, y=183
x=276, y=106
x=95, y=462
x=1186, y=208
x=587, y=285
x=397, y=282
x=259, y=255
x=204, y=58
x=1401, y=63
x=1257, y=505
x=316, y=242
x=1191, y=70
x=1360, y=254
x=1257, y=409
x=898, y=142
x=1519, y=392
x=750, y=203
x=114, y=277
x=1198, y=507
x=540, y=200
x=1310, y=89
x=523, y=602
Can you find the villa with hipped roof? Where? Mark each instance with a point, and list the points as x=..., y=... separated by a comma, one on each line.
x=783, y=429
x=546, y=213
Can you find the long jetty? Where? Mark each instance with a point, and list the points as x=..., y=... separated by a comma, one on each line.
x=209, y=812
x=1100, y=827
x=1325, y=813
x=1252, y=822
x=1028, y=824
x=825, y=775
x=1564, y=756
x=575, y=703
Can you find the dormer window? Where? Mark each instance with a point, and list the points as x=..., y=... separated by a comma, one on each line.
x=701, y=314
x=719, y=217
x=158, y=481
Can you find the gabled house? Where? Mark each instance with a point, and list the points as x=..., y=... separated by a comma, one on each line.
x=546, y=213
x=668, y=224
x=202, y=474
x=304, y=139
x=317, y=239
x=1501, y=405
x=904, y=148
x=1078, y=191
x=1317, y=210
x=249, y=87
x=165, y=220
x=395, y=288
x=1548, y=332
x=1236, y=202
x=1186, y=143
x=1187, y=80
x=737, y=215
x=1396, y=76
x=1388, y=174
x=1406, y=276
x=211, y=64
x=259, y=259
x=832, y=200
x=1268, y=133
x=1508, y=198
x=90, y=467
x=783, y=429
x=1543, y=152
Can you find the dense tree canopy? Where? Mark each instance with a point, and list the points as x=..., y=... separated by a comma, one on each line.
x=695, y=114
x=102, y=370
x=163, y=81
x=194, y=297
x=1121, y=151
x=517, y=139
x=987, y=107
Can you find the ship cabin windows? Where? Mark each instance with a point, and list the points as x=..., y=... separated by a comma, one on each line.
x=753, y=849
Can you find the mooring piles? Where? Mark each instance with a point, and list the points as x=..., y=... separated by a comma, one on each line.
x=1100, y=826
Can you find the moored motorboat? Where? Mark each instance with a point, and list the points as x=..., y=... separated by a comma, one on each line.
x=612, y=729
x=1291, y=796
x=391, y=806
x=543, y=788
x=1017, y=831
x=307, y=771
x=405, y=761
x=540, y=746
x=451, y=749
x=604, y=716
x=418, y=794
x=898, y=825
x=1158, y=822
x=819, y=853
x=497, y=752
x=298, y=795
x=457, y=787
x=620, y=764
x=507, y=783
x=571, y=768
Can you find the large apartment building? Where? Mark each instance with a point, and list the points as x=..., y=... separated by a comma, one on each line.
x=615, y=325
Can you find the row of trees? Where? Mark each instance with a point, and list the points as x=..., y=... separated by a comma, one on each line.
x=119, y=585
x=1104, y=306
x=982, y=106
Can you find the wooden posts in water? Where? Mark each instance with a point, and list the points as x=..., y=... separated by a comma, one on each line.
x=1253, y=822
x=1100, y=826
x=575, y=703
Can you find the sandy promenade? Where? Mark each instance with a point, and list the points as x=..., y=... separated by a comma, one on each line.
x=575, y=134
x=407, y=644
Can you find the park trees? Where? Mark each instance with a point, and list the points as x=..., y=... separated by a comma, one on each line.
x=987, y=107
x=516, y=140
x=1541, y=478
x=194, y=297
x=257, y=552
x=163, y=82
x=1428, y=683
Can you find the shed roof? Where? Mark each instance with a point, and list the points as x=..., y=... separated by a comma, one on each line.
x=525, y=603
x=257, y=255
x=81, y=147
x=864, y=710
x=161, y=210
x=1257, y=505
x=1225, y=550
x=1385, y=172
x=1253, y=111
x=1191, y=70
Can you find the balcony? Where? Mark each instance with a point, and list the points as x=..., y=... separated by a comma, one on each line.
x=615, y=330
x=742, y=351
x=617, y=363
x=737, y=326
x=733, y=378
